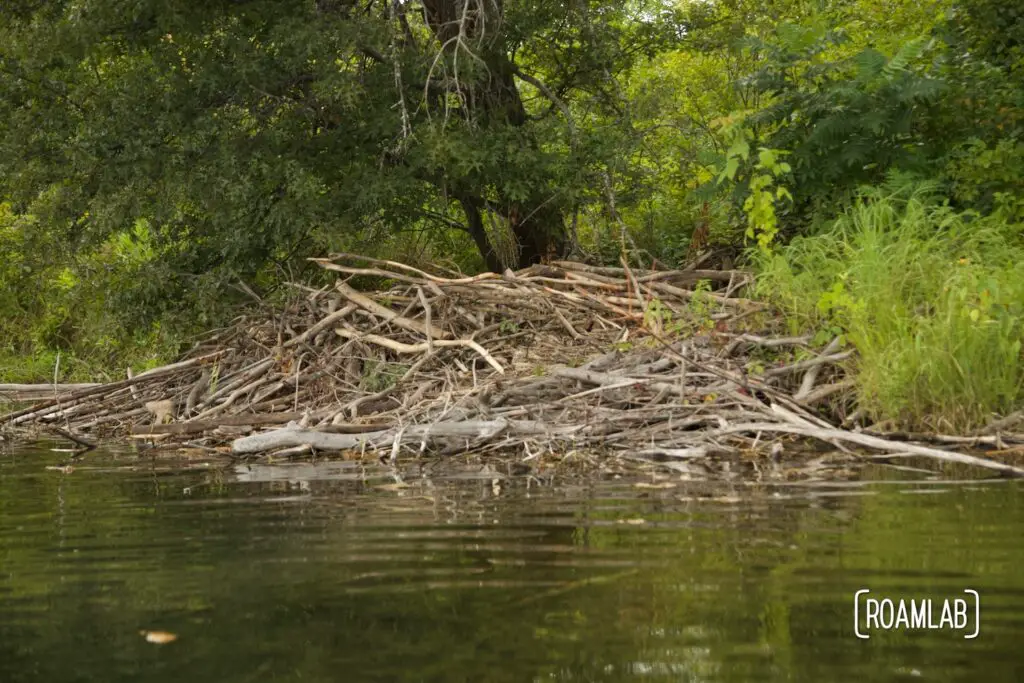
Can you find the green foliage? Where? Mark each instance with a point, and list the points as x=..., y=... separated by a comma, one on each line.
x=659, y=318
x=52, y=300
x=845, y=121
x=379, y=375
x=989, y=177
x=762, y=189
x=246, y=137
x=994, y=31
x=702, y=305
x=932, y=299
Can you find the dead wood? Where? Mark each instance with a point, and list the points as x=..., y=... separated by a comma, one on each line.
x=557, y=357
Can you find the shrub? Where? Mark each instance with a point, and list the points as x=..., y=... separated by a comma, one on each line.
x=932, y=299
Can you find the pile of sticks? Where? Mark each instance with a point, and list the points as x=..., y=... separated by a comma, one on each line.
x=556, y=357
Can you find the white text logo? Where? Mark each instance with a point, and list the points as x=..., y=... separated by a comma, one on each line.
x=872, y=613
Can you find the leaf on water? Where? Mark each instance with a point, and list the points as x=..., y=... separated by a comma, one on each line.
x=159, y=637
x=635, y=521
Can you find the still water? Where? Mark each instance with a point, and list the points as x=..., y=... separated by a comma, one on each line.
x=339, y=572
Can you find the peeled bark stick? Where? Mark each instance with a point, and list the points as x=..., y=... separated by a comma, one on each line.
x=469, y=429
x=807, y=364
x=687, y=295
x=827, y=390
x=697, y=275
x=322, y=325
x=566, y=324
x=399, y=347
x=608, y=271
x=116, y=417
x=599, y=281
x=632, y=284
x=619, y=381
x=427, y=313
x=197, y=389
x=811, y=376
x=769, y=342
x=20, y=392
x=372, y=306
x=254, y=370
x=327, y=263
x=293, y=436
x=131, y=375
x=47, y=407
x=235, y=395
x=894, y=448
x=373, y=272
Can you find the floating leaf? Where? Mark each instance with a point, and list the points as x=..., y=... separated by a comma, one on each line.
x=159, y=637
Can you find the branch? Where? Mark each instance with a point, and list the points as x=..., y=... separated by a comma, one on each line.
x=440, y=217
x=555, y=100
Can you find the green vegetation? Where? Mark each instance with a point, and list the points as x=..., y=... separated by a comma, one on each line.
x=161, y=160
x=932, y=299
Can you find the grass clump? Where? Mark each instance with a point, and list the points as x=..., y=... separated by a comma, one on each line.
x=932, y=299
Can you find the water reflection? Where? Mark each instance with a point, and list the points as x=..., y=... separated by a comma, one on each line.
x=346, y=572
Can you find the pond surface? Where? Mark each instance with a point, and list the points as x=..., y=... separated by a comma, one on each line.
x=338, y=572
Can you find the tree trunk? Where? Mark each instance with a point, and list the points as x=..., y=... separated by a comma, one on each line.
x=492, y=99
x=475, y=223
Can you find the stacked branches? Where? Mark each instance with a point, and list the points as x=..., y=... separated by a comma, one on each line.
x=551, y=358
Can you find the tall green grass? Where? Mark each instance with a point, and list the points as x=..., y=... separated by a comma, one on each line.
x=932, y=299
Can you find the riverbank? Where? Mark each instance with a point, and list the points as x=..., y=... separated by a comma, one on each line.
x=654, y=366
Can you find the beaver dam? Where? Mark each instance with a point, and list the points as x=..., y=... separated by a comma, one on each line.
x=653, y=366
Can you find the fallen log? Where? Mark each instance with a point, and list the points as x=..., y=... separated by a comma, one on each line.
x=295, y=436
x=466, y=429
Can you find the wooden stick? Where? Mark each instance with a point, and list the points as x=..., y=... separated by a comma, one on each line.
x=45, y=388
x=199, y=426
x=877, y=443
x=805, y=364
x=47, y=407
x=372, y=306
x=322, y=325
x=1004, y=423
x=811, y=376
x=399, y=347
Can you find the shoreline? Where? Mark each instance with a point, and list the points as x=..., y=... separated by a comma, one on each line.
x=648, y=365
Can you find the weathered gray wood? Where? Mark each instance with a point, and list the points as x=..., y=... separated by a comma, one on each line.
x=894, y=448
x=295, y=436
x=466, y=429
x=44, y=388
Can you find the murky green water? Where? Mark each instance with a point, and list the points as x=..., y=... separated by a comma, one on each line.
x=339, y=574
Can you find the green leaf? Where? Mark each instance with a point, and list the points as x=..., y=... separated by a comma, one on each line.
x=739, y=148
x=731, y=166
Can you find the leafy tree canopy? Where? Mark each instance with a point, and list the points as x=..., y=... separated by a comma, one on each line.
x=248, y=132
